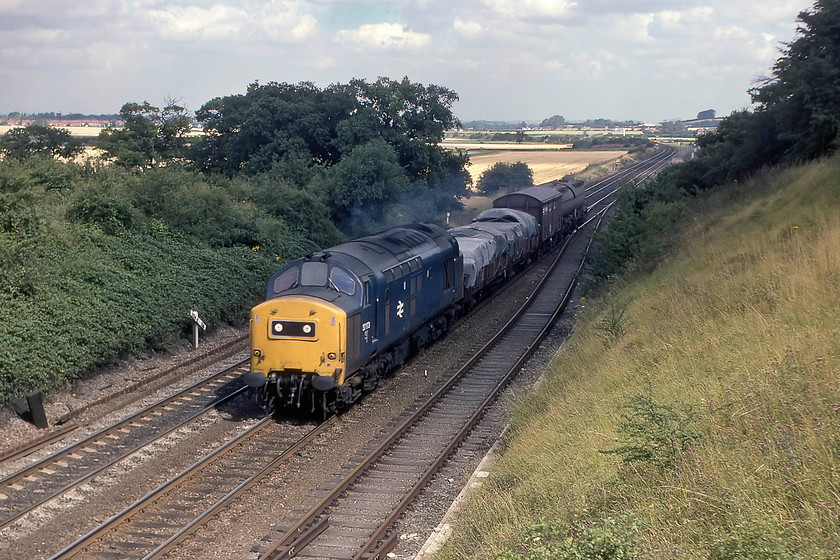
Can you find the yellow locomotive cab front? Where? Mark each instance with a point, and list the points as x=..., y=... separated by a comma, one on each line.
x=299, y=336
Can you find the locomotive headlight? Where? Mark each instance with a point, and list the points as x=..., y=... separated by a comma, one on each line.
x=332, y=356
x=257, y=352
x=307, y=329
x=277, y=327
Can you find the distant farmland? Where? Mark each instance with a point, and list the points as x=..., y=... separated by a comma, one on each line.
x=548, y=162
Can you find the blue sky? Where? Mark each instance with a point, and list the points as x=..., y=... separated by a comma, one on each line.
x=644, y=60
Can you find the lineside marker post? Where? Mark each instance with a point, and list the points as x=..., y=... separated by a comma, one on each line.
x=197, y=322
x=36, y=409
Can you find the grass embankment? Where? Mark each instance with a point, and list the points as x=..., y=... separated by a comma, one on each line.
x=714, y=383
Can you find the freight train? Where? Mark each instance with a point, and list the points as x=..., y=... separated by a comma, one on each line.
x=334, y=323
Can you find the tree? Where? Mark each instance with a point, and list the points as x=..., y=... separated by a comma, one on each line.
x=250, y=133
x=802, y=93
x=673, y=128
x=504, y=176
x=706, y=115
x=410, y=117
x=39, y=139
x=149, y=137
x=364, y=186
x=296, y=131
x=302, y=211
x=553, y=122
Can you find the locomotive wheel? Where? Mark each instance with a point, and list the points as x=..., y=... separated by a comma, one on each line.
x=265, y=397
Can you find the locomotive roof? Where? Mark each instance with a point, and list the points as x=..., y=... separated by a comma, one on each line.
x=378, y=253
x=390, y=247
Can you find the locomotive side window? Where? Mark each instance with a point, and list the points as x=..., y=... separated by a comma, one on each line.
x=314, y=274
x=366, y=292
x=286, y=281
x=447, y=275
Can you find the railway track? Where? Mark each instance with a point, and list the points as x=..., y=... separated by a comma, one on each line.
x=161, y=521
x=71, y=421
x=214, y=481
x=157, y=523
x=355, y=519
x=36, y=484
x=601, y=193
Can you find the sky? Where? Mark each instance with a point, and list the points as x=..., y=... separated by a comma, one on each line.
x=508, y=60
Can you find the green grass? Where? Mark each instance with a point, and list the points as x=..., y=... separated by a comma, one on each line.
x=737, y=333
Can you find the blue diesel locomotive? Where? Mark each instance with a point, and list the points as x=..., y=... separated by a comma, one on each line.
x=335, y=322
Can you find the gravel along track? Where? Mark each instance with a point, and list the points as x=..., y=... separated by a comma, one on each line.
x=384, y=475
x=233, y=532
x=23, y=491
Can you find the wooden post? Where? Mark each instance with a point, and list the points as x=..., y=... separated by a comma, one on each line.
x=36, y=408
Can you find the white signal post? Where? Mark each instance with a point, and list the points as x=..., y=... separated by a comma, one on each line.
x=197, y=322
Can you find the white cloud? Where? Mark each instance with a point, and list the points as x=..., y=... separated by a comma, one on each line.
x=286, y=21
x=9, y=4
x=681, y=24
x=189, y=23
x=510, y=59
x=467, y=29
x=530, y=9
x=383, y=36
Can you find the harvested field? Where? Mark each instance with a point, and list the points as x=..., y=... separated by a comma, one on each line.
x=81, y=131
x=547, y=165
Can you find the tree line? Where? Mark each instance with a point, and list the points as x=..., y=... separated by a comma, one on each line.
x=353, y=151
x=796, y=119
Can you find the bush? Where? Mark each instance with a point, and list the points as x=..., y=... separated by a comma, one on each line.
x=505, y=176
x=655, y=433
x=601, y=539
x=109, y=214
x=110, y=264
x=97, y=296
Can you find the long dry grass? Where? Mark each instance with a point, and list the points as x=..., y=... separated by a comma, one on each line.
x=741, y=328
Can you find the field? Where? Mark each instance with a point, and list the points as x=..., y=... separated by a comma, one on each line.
x=548, y=162
x=81, y=131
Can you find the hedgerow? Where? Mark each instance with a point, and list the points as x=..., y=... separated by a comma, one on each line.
x=102, y=263
x=102, y=296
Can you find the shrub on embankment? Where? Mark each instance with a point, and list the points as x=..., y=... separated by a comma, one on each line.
x=101, y=263
x=695, y=413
